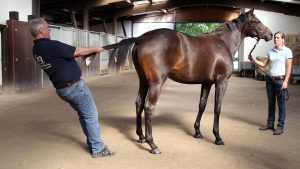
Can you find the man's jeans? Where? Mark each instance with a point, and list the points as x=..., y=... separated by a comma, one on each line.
x=274, y=92
x=80, y=98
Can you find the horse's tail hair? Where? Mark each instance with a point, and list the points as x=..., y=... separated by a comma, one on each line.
x=124, y=42
x=121, y=50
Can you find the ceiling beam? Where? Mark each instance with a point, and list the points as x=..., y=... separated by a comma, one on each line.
x=288, y=9
x=97, y=3
x=107, y=9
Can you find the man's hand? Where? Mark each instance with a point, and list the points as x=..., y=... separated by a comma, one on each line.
x=101, y=49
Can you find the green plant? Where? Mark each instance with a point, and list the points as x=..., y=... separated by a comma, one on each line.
x=196, y=29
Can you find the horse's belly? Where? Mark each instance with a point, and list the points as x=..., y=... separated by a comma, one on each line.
x=189, y=77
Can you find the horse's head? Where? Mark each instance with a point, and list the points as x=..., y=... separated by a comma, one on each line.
x=254, y=27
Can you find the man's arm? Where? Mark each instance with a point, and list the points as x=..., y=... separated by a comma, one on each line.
x=83, y=51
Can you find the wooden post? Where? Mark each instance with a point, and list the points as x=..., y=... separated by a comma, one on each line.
x=104, y=25
x=114, y=25
x=123, y=27
x=85, y=19
x=73, y=19
x=36, y=8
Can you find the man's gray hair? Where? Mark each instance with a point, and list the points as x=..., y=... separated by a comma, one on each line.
x=35, y=25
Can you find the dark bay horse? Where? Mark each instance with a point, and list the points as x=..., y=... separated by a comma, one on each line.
x=207, y=60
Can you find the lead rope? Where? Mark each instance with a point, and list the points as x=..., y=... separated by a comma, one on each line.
x=257, y=40
x=286, y=94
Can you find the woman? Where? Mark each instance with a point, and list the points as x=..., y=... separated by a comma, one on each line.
x=280, y=62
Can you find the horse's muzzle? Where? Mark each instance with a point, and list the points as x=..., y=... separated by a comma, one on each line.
x=268, y=35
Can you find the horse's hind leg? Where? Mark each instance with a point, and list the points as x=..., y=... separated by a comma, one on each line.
x=220, y=91
x=205, y=88
x=139, y=103
x=151, y=100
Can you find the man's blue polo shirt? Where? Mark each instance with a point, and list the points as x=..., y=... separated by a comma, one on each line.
x=57, y=60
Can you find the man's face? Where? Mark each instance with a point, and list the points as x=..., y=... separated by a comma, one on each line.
x=45, y=30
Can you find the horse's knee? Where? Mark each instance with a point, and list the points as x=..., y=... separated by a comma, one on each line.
x=202, y=105
x=149, y=109
x=217, y=110
x=202, y=102
x=138, y=106
x=139, y=103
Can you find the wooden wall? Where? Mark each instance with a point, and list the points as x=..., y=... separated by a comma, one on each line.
x=293, y=42
x=19, y=69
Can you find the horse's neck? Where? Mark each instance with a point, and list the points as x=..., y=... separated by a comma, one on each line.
x=232, y=39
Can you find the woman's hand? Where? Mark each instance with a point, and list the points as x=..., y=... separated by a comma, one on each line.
x=284, y=85
x=250, y=58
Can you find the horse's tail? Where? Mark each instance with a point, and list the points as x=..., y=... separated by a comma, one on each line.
x=124, y=42
x=121, y=50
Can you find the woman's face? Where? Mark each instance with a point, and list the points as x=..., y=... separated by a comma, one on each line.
x=278, y=40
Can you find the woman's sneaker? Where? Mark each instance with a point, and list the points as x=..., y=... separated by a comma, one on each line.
x=104, y=153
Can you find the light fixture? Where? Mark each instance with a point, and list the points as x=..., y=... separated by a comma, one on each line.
x=164, y=11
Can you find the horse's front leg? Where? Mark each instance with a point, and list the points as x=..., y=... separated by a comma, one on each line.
x=220, y=91
x=151, y=99
x=205, y=88
x=139, y=103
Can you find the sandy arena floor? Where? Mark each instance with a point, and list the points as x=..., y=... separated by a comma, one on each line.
x=40, y=131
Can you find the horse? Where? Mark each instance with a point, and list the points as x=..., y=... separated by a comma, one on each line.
x=207, y=59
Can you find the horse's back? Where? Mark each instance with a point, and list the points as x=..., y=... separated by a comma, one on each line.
x=183, y=58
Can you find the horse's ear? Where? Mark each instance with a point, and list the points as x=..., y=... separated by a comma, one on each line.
x=250, y=12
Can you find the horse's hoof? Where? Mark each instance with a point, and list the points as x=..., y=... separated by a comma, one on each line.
x=198, y=135
x=141, y=140
x=155, y=151
x=219, y=142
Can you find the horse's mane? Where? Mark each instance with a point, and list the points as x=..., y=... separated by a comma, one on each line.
x=231, y=25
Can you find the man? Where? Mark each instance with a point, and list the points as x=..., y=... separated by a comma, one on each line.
x=58, y=61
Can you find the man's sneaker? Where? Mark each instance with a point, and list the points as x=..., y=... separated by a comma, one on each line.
x=266, y=127
x=104, y=153
x=278, y=131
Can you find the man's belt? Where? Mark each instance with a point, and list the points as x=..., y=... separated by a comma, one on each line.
x=70, y=83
